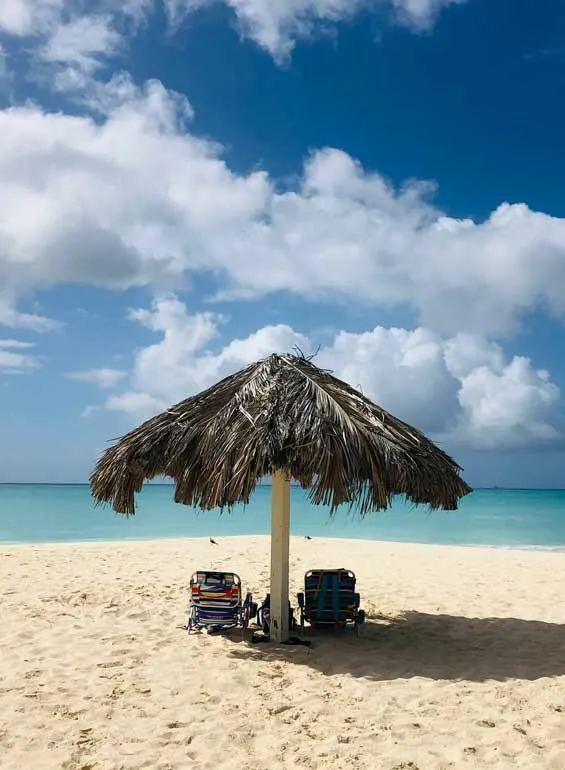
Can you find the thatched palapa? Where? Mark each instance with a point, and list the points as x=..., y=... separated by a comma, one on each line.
x=282, y=416
x=281, y=413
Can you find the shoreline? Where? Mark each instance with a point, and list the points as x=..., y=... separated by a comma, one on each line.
x=230, y=538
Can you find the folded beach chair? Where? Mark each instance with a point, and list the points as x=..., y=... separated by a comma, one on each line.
x=216, y=602
x=264, y=616
x=329, y=599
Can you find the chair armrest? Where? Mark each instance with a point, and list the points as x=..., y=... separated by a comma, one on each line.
x=357, y=600
x=300, y=599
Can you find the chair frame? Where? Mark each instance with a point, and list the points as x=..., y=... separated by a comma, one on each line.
x=351, y=614
x=242, y=609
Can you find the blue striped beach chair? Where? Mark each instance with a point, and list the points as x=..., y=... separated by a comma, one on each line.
x=216, y=602
x=330, y=600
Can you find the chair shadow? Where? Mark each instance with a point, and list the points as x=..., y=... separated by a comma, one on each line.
x=442, y=647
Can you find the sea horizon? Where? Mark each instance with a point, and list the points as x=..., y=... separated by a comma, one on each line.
x=259, y=484
x=488, y=517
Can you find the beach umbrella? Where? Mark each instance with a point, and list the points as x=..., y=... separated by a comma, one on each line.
x=286, y=418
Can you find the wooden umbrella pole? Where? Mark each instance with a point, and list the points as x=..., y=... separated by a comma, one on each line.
x=280, y=541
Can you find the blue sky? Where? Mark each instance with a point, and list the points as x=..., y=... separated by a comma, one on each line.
x=183, y=191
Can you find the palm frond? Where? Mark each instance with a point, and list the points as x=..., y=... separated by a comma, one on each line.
x=283, y=412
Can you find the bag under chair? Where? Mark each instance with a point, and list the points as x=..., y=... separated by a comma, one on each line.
x=264, y=616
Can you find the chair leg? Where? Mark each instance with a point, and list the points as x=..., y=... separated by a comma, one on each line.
x=245, y=621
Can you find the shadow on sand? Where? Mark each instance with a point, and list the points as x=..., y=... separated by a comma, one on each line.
x=417, y=644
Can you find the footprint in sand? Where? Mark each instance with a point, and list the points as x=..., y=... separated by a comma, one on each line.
x=33, y=674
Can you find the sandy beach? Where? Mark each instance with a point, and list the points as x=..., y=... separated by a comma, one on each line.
x=460, y=665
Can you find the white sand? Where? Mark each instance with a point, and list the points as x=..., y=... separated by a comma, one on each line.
x=466, y=671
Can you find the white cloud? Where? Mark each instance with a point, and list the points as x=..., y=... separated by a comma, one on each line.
x=17, y=320
x=65, y=42
x=404, y=371
x=141, y=405
x=29, y=17
x=16, y=362
x=83, y=43
x=133, y=10
x=276, y=24
x=104, y=378
x=178, y=356
x=43, y=18
x=421, y=13
x=512, y=402
x=462, y=390
x=15, y=344
x=5, y=74
x=137, y=199
x=88, y=411
x=71, y=40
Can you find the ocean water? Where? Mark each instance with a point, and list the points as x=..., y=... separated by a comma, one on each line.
x=35, y=513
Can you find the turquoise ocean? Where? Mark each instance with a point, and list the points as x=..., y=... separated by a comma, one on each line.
x=37, y=513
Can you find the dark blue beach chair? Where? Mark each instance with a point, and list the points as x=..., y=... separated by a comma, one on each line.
x=330, y=600
x=216, y=602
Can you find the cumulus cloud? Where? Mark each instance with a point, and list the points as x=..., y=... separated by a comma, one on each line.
x=462, y=389
x=104, y=378
x=513, y=402
x=137, y=199
x=276, y=24
x=182, y=356
x=13, y=360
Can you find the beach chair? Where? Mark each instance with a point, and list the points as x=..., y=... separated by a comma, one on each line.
x=329, y=600
x=216, y=602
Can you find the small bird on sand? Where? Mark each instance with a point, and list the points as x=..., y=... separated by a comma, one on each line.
x=308, y=537
x=213, y=541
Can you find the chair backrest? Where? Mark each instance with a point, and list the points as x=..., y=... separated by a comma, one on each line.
x=329, y=595
x=219, y=589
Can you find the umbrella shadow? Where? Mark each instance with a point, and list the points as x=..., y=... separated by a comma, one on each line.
x=417, y=644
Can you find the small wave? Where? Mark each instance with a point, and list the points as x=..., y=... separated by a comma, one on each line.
x=513, y=547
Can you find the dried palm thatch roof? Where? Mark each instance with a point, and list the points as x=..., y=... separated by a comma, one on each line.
x=283, y=412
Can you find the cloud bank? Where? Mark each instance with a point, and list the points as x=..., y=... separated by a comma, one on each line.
x=461, y=389
x=136, y=198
